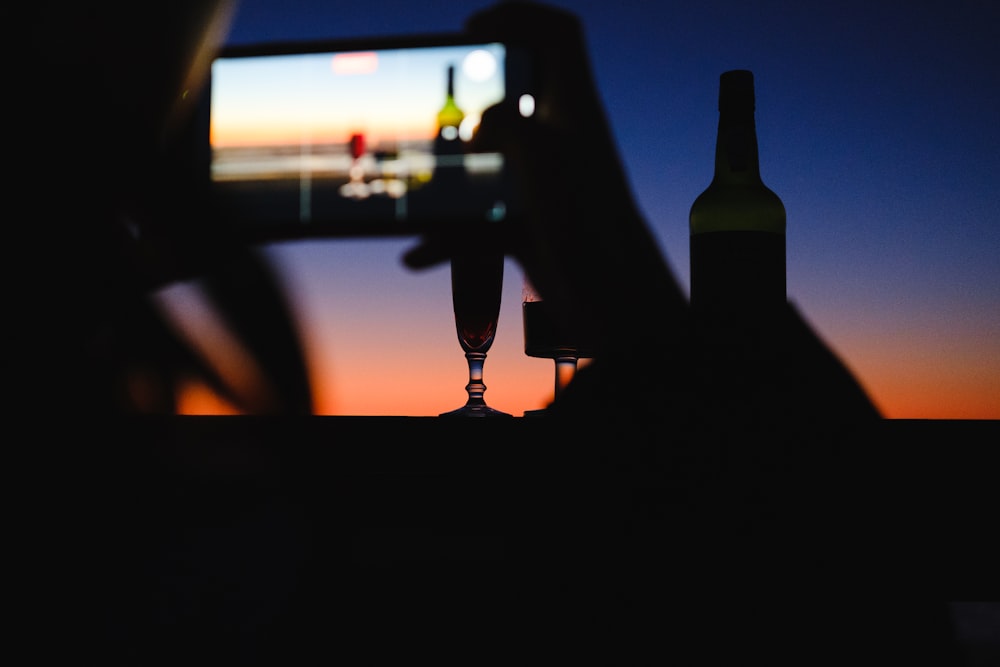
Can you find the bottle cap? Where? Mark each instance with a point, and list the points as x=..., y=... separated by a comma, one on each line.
x=736, y=90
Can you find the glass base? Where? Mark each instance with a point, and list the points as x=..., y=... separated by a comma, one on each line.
x=475, y=411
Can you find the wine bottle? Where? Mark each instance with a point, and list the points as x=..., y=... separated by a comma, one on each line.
x=448, y=180
x=450, y=116
x=737, y=225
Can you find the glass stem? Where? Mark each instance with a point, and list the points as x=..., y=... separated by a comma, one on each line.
x=565, y=370
x=475, y=388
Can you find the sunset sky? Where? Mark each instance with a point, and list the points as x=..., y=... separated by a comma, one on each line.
x=878, y=127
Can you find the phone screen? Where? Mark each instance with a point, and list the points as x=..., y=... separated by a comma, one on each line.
x=345, y=142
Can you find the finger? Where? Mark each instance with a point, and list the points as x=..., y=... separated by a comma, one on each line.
x=426, y=254
x=442, y=242
x=562, y=81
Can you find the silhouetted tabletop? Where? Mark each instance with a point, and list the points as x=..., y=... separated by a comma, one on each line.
x=357, y=522
x=397, y=489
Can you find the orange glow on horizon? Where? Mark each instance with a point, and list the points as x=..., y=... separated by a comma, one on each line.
x=420, y=392
x=901, y=391
x=916, y=373
x=197, y=398
x=897, y=403
x=381, y=340
x=293, y=135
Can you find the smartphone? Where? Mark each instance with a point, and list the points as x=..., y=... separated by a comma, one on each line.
x=359, y=137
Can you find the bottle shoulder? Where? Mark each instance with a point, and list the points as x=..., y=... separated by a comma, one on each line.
x=737, y=207
x=450, y=114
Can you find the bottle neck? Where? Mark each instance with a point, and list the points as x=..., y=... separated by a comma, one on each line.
x=736, y=157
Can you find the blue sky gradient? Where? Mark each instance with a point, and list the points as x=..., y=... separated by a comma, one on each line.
x=878, y=127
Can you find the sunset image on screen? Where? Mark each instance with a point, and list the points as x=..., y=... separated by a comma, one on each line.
x=265, y=109
x=338, y=137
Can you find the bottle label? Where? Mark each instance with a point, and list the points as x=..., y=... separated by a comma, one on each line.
x=738, y=273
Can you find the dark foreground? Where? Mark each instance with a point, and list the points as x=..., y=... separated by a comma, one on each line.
x=242, y=540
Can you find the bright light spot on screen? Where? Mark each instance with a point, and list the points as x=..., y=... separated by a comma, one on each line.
x=467, y=128
x=361, y=62
x=526, y=105
x=479, y=65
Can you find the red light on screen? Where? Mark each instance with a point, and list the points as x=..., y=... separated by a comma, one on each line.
x=361, y=62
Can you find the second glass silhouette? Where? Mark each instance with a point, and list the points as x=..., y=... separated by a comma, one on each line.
x=476, y=288
x=547, y=338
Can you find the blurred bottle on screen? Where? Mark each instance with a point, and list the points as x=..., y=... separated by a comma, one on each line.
x=449, y=117
x=737, y=225
x=449, y=181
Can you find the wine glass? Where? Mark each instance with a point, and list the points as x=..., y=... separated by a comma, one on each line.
x=476, y=286
x=546, y=337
